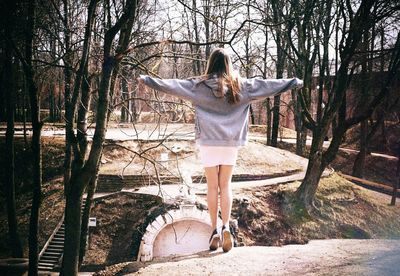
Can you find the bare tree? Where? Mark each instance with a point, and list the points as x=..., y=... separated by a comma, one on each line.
x=280, y=40
x=358, y=21
x=84, y=166
x=9, y=87
x=25, y=56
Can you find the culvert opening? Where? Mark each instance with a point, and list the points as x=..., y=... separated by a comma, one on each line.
x=180, y=231
x=184, y=237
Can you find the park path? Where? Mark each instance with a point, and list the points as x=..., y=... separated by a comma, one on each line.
x=318, y=257
x=174, y=131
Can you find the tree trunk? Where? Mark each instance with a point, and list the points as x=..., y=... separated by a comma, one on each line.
x=82, y=175
x=15, y=242
x=37, y=181
x=125, y=100
x=396, y=183
x=36, y=139
x=359, y=162
x=316, y=165
x=134, y=114
x=72, y=231
x=280, y=63
x=301, y=140
x=83, y=112
x=269, y=119
x=67, y=97
x=207, y=33
x=306, y=192
x=24, y=115
x=275, y=120
x=85, y=217
x=300, y=145
x=83, y=172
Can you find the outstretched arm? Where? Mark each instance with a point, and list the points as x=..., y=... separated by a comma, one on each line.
x=177, y=87
x=259, y=89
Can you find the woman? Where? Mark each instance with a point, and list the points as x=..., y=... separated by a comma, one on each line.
x=222, y=101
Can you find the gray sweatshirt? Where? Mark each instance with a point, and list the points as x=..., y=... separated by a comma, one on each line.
x=219, y=123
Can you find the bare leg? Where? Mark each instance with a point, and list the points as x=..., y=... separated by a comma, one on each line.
x=224, y=182
x=212, y=193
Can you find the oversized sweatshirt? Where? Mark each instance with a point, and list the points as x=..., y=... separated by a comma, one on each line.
x=218, y=122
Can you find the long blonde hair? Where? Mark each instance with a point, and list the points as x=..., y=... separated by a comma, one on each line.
x=220, y=64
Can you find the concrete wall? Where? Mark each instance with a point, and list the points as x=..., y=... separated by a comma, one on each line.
x=181, y=238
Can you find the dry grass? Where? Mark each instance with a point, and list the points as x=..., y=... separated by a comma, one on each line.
x=378, y=169
x=255, y=158
x=386, y=143
x=284, y=133
x=53, y=203
x=272, y=216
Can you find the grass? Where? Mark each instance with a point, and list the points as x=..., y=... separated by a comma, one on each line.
x=344, y=211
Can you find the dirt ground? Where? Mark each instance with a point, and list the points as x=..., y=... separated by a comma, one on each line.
x=319, y=257
x=121, y=220
x=378, y=169
x=182, y=158
x=53, y=202
x=383, y=142
x=270, y=215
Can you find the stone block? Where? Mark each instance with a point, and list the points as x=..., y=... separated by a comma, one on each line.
x=151, y=229
x=148, y=238
x=160, y=221
x=155, y=226
x=187, y=211
x=175, y=215
x=147, y=253
x=167, y=218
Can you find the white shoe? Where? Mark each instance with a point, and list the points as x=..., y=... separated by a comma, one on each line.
x=227, y=240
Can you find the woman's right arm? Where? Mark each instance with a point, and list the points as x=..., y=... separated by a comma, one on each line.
x=259, y=89
x=177, y=87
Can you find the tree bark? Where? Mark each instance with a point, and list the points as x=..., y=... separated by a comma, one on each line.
x=269, y=119
x=275, y=120
x=36, y=136
x=306, y=192
x=359, y=163
x=72, y=229
x=15, y=242
x=396, y=183
x=125, y=107
x=280, y=63
x=69, y=135
x=85, y=217
x=37, y=178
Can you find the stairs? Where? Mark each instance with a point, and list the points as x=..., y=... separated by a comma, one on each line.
x=53, y=250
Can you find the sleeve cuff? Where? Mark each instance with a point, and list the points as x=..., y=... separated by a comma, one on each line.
x=299, y=83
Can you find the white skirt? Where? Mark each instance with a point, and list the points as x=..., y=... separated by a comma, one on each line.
x=211, y=156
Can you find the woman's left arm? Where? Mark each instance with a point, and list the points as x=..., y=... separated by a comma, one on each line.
x=177, y=87
x=259, y=89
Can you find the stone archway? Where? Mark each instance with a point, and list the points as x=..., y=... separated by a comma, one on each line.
x=178, y=232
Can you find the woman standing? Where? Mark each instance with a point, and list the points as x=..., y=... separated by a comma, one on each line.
x=222, y=101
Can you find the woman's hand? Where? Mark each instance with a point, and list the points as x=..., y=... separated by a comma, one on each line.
x=139, y=80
